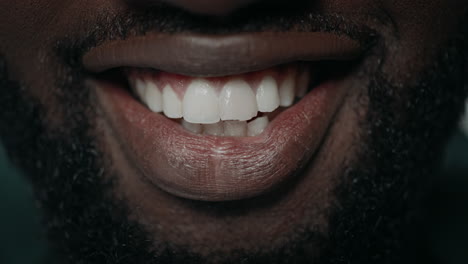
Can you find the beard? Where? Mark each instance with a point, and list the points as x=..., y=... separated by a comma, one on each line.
x=378, y=196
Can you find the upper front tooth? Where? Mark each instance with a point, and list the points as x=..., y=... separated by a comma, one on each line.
x=286, y=91
x=153, y=97
x=237, y=101
x=267, y=95
x=200, y=103
x=171, y=103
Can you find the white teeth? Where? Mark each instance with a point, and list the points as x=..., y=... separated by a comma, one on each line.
x=237, y=101
x=214, y=129
x=194, y=128
x=302, y=84
x=267, y=95
x=209, y=108
x=201, y=103
x=235, y=128
x=286, y=91
x=171, y=103
x=140, y=88
x=153, y=97
x=256, y=126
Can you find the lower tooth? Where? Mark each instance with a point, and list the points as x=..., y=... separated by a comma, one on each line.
x=235, y=128
x=216, y=129
x=256, y=126
x=229, y=128
x=194, y=128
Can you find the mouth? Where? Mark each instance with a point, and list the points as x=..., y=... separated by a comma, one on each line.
x=201, y=121
x=237, y=105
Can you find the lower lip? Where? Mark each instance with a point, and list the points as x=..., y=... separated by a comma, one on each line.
x=211, y=168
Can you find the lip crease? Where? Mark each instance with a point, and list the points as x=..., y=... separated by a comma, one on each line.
x=204, y=167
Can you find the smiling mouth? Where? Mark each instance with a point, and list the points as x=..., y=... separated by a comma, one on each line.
x=201, y=123
x=237, y=105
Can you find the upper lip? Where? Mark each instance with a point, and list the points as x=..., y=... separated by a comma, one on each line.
x=218, y=55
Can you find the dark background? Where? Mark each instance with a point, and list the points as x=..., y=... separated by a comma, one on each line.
x=22, y=239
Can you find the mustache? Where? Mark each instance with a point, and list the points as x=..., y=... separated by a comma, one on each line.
x=168, y=19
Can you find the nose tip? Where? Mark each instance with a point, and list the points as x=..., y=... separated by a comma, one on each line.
x=210, y=7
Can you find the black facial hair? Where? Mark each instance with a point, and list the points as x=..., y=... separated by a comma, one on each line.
x=376, y=197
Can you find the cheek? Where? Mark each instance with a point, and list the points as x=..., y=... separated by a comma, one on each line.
x=30, y=30
x=27, y=30
x=419, y=29
x=28, y=25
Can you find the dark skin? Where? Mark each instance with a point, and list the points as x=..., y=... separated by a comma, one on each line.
x=395, y=104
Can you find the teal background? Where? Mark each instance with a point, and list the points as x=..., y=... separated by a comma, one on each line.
x=22, y=239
